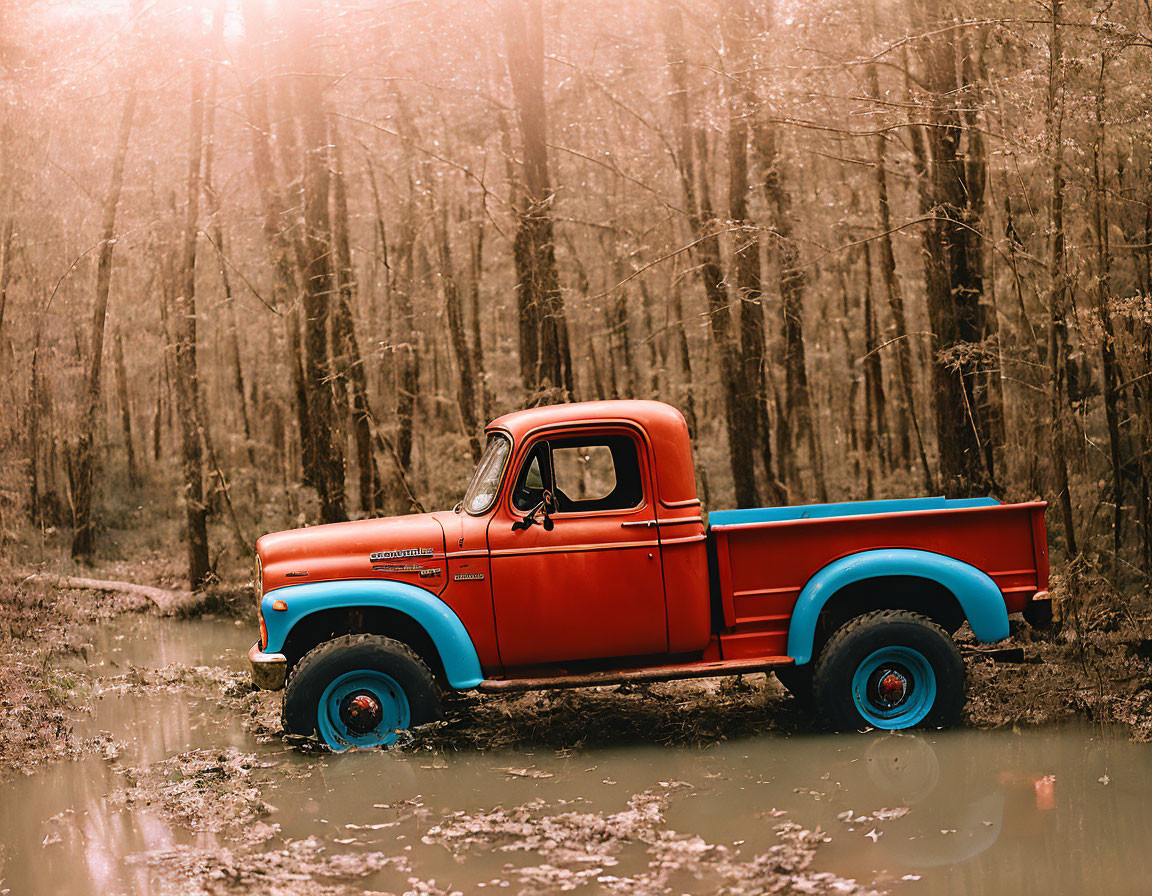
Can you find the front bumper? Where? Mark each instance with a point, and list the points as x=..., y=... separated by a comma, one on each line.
x=268, y=669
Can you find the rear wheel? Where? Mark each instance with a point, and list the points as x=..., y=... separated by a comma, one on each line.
x=359, y=691
x=890, y=669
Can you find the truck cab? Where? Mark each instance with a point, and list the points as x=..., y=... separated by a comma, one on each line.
x=579, y=555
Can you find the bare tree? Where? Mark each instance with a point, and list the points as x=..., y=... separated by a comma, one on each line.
x=187, y=372
x=1058, y=295
x=219, y=241
x=125, y=409
x=953, y=269
x=742, y=106
x=545, y=355
x=83, y=466
x=691, y=162
x=317, y=277
x=1109, y=368
x=466, y=392
x=277, y=221
x=350, y=363
x=895, y=292
x=796, y=421
x=7, y=232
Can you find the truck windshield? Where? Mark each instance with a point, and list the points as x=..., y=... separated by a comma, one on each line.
x=485, y=482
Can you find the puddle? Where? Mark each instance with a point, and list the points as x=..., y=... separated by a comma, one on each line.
x=1057, y=811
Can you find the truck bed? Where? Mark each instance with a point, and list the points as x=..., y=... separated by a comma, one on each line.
x=765, y=556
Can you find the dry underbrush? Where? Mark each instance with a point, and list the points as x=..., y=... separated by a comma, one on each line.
x=1095, y=665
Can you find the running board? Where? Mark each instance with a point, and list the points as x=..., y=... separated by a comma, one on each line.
x=624, y=676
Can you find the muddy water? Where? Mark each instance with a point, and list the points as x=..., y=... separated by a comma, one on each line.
x=1062, y=811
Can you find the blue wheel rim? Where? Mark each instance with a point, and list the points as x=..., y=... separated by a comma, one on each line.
x=389, y=699
x=894, y=688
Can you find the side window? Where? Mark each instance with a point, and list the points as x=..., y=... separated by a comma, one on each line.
x=529, y=490
x=588, y=473
x=597, y=473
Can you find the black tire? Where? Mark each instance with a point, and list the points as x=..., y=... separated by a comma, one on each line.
x=908, y=644
x=797, y=681
x=323, y=665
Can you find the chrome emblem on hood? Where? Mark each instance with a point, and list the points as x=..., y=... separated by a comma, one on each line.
x=403, y=552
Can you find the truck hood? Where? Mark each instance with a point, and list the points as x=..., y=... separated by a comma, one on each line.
x=401, y=548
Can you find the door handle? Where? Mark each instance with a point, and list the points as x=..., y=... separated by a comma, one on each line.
x=647, y=524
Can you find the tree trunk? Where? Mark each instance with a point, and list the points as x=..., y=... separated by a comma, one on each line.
x=213, y=202
x=477, y=257
x=408, y=388
x=873, y=372
x=466, y=391
x=1143, y=393
x=657, y=361
x=895, y=294
x=125, y=411
x=796, y=419
x=34, y=440
x=187, y=374
x=350, y=363
x=387, y=359
x=1108, y=363
x=953, y=278
x=84, y=466
x=691, y=146
x=680, y=335
x=746, y=245
x=317, y=277
x=6, y=235
x=1059, y=292
x=545, y=355
x=276, y=224
x=988, y=377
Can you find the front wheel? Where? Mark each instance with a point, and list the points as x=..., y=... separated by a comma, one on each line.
x=890, y=669
x=359, y=691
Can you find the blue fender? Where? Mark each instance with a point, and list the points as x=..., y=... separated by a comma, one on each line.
x=457, y=652
x=979, y=597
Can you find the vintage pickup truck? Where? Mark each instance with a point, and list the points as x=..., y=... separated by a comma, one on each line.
x=579, y=556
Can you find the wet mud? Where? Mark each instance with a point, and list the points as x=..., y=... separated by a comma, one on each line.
x=138, y=759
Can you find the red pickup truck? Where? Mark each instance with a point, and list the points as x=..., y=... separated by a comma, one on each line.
x=579, y=556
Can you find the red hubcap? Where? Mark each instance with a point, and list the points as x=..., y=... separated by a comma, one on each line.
x=892, y=687
x=361, y=712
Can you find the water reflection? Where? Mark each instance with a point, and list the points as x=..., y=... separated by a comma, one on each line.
x=1060, y=811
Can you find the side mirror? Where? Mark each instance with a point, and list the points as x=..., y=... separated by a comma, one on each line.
x=545, y=508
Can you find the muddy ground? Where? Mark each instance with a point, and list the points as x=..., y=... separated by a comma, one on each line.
x=1096, y=666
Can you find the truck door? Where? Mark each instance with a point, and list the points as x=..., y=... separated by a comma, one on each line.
x=592, y=586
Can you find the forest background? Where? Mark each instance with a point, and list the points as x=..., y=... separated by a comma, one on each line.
x=268, y=263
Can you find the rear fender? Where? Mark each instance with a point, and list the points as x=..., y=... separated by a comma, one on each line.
x=978, y=595
x=444, y=628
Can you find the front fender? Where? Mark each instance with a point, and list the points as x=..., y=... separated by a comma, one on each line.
x=979, y=597
x=457, y=653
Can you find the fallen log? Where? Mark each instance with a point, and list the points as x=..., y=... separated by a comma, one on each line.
x=169, y=602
